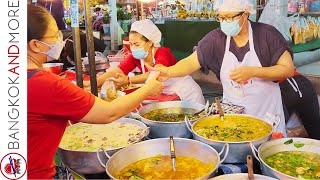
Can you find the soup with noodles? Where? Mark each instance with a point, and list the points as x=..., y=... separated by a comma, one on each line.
x=160, y=167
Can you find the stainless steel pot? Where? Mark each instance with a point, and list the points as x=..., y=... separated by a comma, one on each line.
x=242, y=176
x=275, y=146
x=166, y=129
x=238, y=150
x=150, y=148
x=86, y=162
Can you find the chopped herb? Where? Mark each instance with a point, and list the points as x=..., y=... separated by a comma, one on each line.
x=298, y=145
x=288, y=142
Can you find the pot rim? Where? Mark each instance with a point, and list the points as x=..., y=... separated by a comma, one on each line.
x=158, y=139
x=238, y=174
x=116, y=149
x=171, y=102
x=282, y=139
x=231, y=142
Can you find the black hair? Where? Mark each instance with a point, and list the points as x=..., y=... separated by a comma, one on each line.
x=143, y=37
x=38, y=22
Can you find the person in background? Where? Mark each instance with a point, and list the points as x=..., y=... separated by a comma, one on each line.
x=246, y=56
x=300, y=97
x=57, y=11
x=67, y=54
x=53, y=101
x=144, y=39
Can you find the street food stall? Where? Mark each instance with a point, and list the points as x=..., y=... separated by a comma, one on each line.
x=164, y=137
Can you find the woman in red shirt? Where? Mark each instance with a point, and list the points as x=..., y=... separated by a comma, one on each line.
x=144, y=38
x=53, y=100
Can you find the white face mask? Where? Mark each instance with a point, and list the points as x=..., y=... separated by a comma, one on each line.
x=55, y=49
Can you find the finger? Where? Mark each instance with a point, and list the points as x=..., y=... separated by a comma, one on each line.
x=233, y=77
x=113, y=79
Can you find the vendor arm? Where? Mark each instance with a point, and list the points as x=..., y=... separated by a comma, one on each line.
x=139, y=78
x=284, y=68
x=106, y=112
x=101, y=79
x=184, y=67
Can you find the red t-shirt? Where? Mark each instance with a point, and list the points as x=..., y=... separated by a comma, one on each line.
x=162, y=56
x=52, y=101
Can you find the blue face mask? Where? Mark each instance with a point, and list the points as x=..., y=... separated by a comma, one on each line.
x=139, y=53
x=230, y=28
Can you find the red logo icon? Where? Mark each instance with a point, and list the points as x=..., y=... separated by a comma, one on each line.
x=13, y=166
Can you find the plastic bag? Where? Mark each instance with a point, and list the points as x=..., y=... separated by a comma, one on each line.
x=273, y=11
x=108, y=91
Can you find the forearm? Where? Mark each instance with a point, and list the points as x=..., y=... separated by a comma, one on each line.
x=185, y=66
x=107, y=112
x=273, y=73
x=139, y=78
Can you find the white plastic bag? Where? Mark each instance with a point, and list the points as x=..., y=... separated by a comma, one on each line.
x=274, y=16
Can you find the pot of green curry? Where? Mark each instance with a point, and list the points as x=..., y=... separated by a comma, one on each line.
x=166, y=119
x=290, y=158
x=237, y=130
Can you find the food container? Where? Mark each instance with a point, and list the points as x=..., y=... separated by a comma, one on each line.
x=150, y=148
x=238, y=150
x=280, y=145
x=166, y=129
x=86, y=162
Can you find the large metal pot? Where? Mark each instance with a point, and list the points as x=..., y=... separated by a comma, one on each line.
x=166, y=129
x=86, y=162
x=150, y=148
x=238, y=150
x=242, y=176
x=278, y=145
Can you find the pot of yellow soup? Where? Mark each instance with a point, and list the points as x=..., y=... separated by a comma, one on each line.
x=151, y=160
x=237, y=130
x=80, y=143
x=290, y=158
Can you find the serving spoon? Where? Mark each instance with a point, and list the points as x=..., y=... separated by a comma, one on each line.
x=173, y=153
x=250, y=167
x=221, y=113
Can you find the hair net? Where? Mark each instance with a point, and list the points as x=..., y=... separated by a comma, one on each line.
x=149, y=30
x=234, y=6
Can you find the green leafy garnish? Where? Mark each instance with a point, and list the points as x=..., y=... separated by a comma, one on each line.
x=288, y=142
x=298, y=145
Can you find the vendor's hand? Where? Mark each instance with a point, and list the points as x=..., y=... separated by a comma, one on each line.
x=86, y=85
x=120, y=80
x=242, y=74
x=164, y=71
x=155, y=86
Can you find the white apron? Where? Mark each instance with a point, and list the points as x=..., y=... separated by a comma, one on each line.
x=185, y=87
x=259, y=97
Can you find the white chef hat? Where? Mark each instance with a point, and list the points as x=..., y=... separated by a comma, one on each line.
x=234, y=6
x=149, y=30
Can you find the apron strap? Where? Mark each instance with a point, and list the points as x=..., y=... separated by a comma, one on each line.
x=31, y=73
x=251, y=44
x=142, y=62
x=228, y=43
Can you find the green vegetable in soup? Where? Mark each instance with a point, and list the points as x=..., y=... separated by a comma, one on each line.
x=171, y=114
x=296, y=163
x=288, y=142
x=298, y=145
